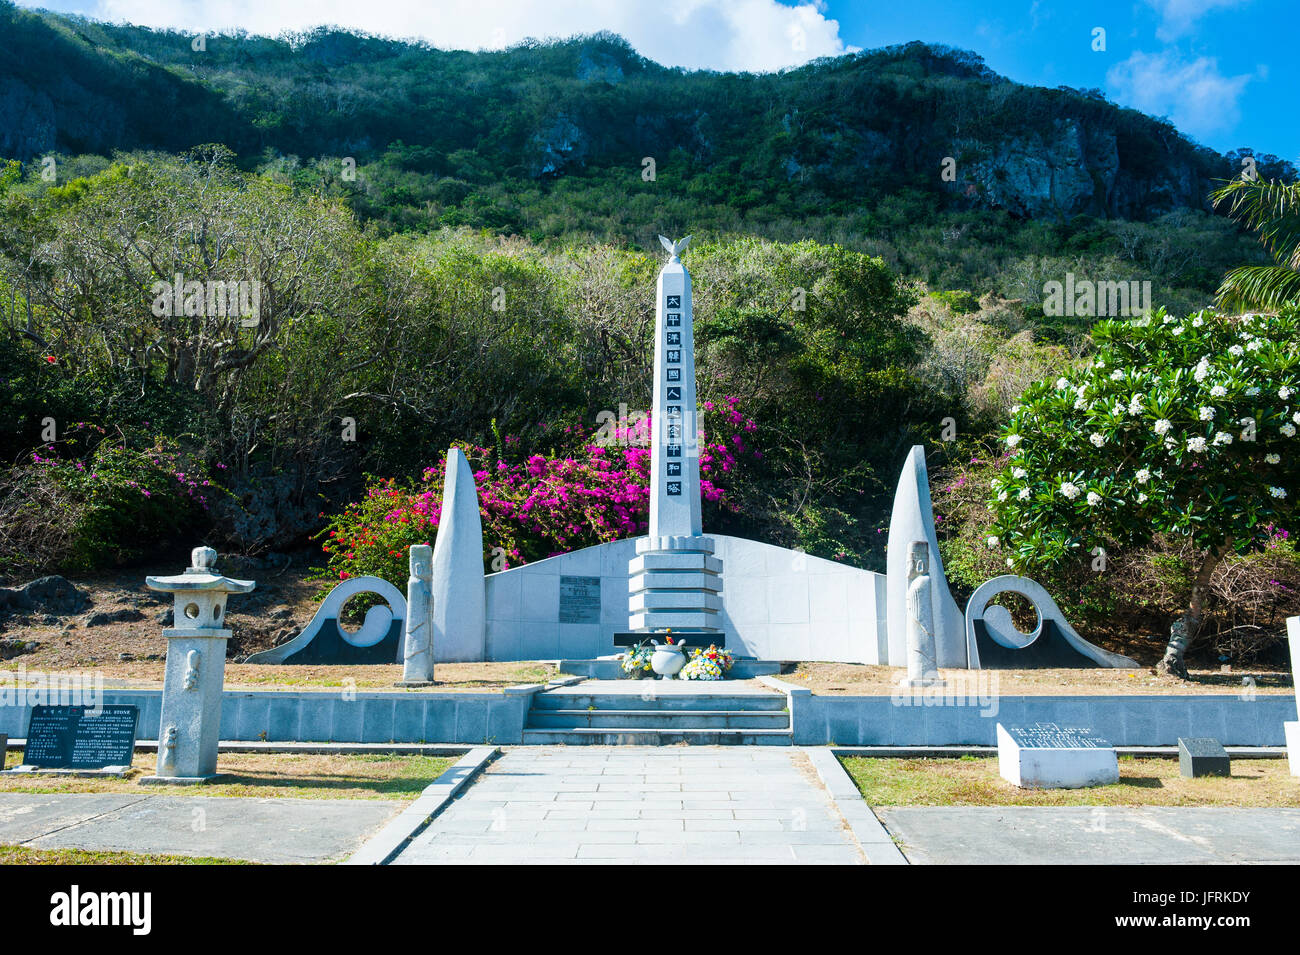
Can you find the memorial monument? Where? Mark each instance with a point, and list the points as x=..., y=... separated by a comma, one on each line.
x=674, y=579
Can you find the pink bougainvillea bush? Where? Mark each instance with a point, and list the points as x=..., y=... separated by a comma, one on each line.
x=533, y=506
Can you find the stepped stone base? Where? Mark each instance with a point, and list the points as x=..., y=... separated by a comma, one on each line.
x=674, y=583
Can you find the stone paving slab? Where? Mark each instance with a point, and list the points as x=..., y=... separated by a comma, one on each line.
x=1078, y=835
x=258, y=830
x=650, y=805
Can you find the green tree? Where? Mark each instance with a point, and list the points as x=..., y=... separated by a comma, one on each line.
x=1179, y=427
x=1272, y=209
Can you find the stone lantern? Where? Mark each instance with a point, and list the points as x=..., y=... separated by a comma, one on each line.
x=190, y=724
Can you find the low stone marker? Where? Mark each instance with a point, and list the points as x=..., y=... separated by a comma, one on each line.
x=1048, y=756
x=1202, y=756
x=80, y=740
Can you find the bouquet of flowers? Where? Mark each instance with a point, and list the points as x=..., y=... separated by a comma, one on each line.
x=636, y=662
x=710, y=664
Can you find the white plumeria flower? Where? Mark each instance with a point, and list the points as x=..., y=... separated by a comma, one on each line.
x=1141, y=497
x=1218, y=391
x=993, y=540
x=1062, y=384
x=1135, y=405
x=1296, y=417
x=1252, y=391
x=1202, y=370
x=1080, y=404
x=1163, y=426
x=1117, y=375
x=1206, y=413
x=1178, y=329
x=1272, y=459
x=1002, y=495
x=1093, y=498
x=1015, y=409
x=1010, y=562
x=1071, y=491
x=1097, y=438
x=1013, y=440
x=1284, y=392
x=1278, y=492
x=1198, y=322
x=1196, y=444
x=1288, y=429
x=1024, y=494
x=1019, y=473
x=1143, y=476
x=1223, y=438
x=1236, y=350
x=1099, y=363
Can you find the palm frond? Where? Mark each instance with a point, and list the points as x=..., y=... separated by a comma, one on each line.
x=1270, y=208
x=1259, y=287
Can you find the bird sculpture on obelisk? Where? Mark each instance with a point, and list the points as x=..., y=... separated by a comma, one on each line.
x=675, y=582
x=674, y=432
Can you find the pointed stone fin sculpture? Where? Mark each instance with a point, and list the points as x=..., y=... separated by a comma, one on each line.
x=458, y=590
x=913, y=520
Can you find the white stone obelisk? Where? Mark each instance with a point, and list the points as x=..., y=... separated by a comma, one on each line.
x=458, y=590
x=674, y=579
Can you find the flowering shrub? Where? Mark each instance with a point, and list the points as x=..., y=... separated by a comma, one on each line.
x=1185, y=428
x=88, y=502
x=710, y=664
x=531, y=508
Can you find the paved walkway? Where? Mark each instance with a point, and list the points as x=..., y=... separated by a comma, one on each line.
x=1069, y=835
x=259, y=830
x=672, y=805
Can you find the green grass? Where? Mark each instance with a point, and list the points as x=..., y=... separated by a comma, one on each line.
x=974, y=781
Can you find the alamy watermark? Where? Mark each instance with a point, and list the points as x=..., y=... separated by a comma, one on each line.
x=23, y=687
x=213, y=298
x=1085, y=297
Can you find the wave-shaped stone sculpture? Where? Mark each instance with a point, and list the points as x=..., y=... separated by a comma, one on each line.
x=994, y=642
x=323, y=640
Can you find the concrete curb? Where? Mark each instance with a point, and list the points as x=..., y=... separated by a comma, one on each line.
x=380, y=848
x=870, y=833
x=950, y=752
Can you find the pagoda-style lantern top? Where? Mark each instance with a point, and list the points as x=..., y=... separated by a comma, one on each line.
x=200, y=596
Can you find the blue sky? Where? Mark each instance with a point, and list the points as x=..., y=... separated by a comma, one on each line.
x=1224, y=71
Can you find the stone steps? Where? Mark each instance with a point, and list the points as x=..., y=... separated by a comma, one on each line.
x=659, y=719
x=610, y=669
x=657, y=737
x=647, y=714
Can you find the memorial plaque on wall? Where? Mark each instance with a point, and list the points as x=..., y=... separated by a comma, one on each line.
x=579, y=600
x=78, y=737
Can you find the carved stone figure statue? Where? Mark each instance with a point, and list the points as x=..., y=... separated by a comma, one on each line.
x=922, y=668
x=418, y=657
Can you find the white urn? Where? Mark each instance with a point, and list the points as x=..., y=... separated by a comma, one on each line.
x=668, y=659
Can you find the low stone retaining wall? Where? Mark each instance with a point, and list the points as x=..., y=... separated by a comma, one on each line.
x=1124, y=720
x=499, y=718
x=281, y=716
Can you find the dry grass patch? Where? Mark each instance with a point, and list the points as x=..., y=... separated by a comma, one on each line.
x=853, y=679
x=296, y=775
x=22, y=855
x=1143, y=781
x=451, y=677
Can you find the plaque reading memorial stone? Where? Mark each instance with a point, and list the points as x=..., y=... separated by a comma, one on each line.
x=1050, y=756
x=1202, y=756
x=78, y=737
x=579, y=600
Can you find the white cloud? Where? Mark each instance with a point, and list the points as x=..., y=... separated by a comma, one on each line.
x=697, y=34
x=1196, y=97
x=1179, y=16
